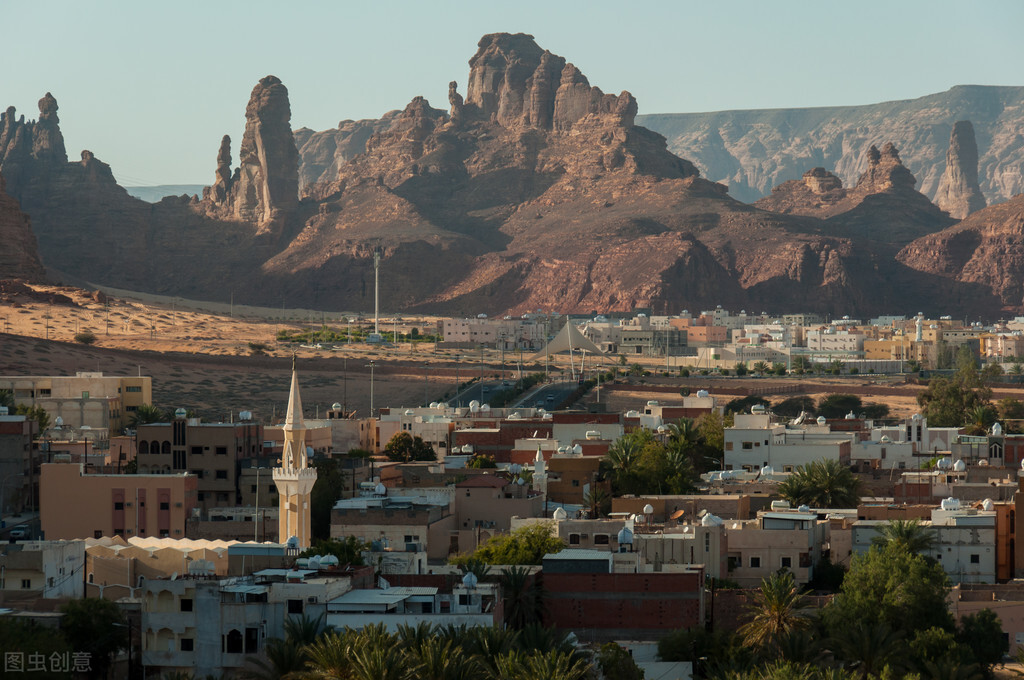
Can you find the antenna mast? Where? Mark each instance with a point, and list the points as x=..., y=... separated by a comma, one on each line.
x=376, y=289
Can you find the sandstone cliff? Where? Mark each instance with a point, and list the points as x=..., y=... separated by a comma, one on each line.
x=19, y=258
x=753, y=151
x=959, y=193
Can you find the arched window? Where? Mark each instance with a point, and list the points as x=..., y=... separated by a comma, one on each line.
x=166, y=447
x=143, y=446
x=154, y=447
x=233, y=642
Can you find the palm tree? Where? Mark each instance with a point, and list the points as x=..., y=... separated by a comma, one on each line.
x=908, y=535
x=822, y=484
x=302, y=630
x=870, y=648
x=414, y=636
x=437, y=659
x=623, y=454
x=145, y=414
x=329, y=656
x=524, y=597
x=760, y=367
x=982, y=416
x=555, y=665
x=284, y=661
x=598, y=501
x=377, y=661
x=774, y=611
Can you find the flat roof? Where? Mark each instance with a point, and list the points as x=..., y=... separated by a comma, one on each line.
x=579, y=554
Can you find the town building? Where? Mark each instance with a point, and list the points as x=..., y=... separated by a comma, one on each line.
x=88, y=398
x=33, y=570
x=212, y=452
x=74, y=504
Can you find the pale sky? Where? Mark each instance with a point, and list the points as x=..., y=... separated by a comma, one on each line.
x=150, y=87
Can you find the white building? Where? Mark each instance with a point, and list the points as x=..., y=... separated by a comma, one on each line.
x=470, y=604
x=754, y=442
x=964, y=541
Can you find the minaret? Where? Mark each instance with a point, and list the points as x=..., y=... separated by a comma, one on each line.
x=294, y=479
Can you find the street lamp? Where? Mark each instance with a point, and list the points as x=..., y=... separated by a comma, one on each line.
x=372, y=365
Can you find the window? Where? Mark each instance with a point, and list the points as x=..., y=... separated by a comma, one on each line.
x=252, y=640
x=132, y=388
x=233, y=642
x=118, y=505
x=574, y=539
x=222, y=450
x=200, y=496
x=294, y=606
x=411, y=539
x=186, y=604
x=755, y=562
x=600, y=539
x=252, y=489
x=575, y=483
x=164, y=505
x=197, y=473
x=196, y=450
x=186, y=644
x=463, y=600
x=222, y=474
x=975, y=559
x=98, y=533
x=786, y=562
x=748, y=446
x=26, y=584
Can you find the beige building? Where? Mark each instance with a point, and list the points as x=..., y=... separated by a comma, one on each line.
x=41, y=570
x=213, y=452
x=486, y=504
x=411, y=523
x=78, y=505
x=116, y=568
x=87, y=398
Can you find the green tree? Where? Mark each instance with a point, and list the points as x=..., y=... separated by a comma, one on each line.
x=7, y=399
x=982, y=635
x=481, y=461
x=760, y=367
x=348, y=550
x=744, y=404
x=980, y=418
x=525, y=545
x=36, y=413
x=836, y=406
x=822, y=484
x=1009, y=408
x=281, y=660
x=617, y=664
x=794, y=406
x=868, y=649
x=740, y=367
x=97, y=627
x=29, y=637
x=328, y=488
x=404, y=448
x=891, y=586
x=774, y=611
x=909, y=535
x=597, y=501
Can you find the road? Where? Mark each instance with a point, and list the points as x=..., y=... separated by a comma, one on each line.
x=549, y=396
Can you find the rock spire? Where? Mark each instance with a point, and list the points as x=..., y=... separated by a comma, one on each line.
x=959, y=193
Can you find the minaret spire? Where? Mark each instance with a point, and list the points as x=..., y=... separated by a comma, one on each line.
x=294, y=479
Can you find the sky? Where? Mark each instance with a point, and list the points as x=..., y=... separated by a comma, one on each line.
x=150, y=87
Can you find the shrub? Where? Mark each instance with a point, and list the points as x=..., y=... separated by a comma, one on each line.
x=85, y=337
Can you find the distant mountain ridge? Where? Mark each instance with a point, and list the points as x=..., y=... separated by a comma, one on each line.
x=754, y=150
x=153, y=194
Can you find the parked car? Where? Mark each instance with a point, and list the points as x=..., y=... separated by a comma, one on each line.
x=19, y=532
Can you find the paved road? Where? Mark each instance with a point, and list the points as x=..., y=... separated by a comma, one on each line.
x=548, y=396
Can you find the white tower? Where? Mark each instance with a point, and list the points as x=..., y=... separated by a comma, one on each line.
x=294, y=479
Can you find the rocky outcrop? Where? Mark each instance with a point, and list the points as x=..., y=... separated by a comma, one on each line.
x=322, y=154
x=753, y=151
x=984, y=254
x=30, y=152
x=221, y=188
x=19, y=258
x=264, y=190
x=959, y=193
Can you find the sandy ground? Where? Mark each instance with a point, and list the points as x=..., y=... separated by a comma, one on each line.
x=200, y=357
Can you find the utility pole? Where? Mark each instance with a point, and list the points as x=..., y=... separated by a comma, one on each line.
x=372, y=365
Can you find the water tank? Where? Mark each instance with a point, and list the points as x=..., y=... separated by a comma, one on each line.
x=180, y=413
x=578, y=450
x=632, y=414
x=944, y=463
x=757, y=409
x=885, y=439
x=410, y=412
x=245, y=416
x=851, y=416
x=702, y=393
x=648, y=509
x=593, y=434
x=625, y=536
x=804, y=508
x=474, y=406
x=780, y=505
x=710, y=520
x=380, y=490
x=768, y=471
x=293, y=543
x=987, y=505
x=329, y=561
x=561, y=449
x=916, y=417
x=950, y=504
x=336, y=406
x=469, y=580
x=485, y=407
x=559, y=514
x=959, y=466
x=314, y=562
x=59, y=422
x=821, y=420
x=652, y=403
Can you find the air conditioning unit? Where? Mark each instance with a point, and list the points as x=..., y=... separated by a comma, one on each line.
x=311, y=599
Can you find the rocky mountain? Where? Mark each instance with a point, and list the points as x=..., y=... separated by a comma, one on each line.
x=755, y=150
x=19, y=258
x=533, y=189
x=983, y=253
